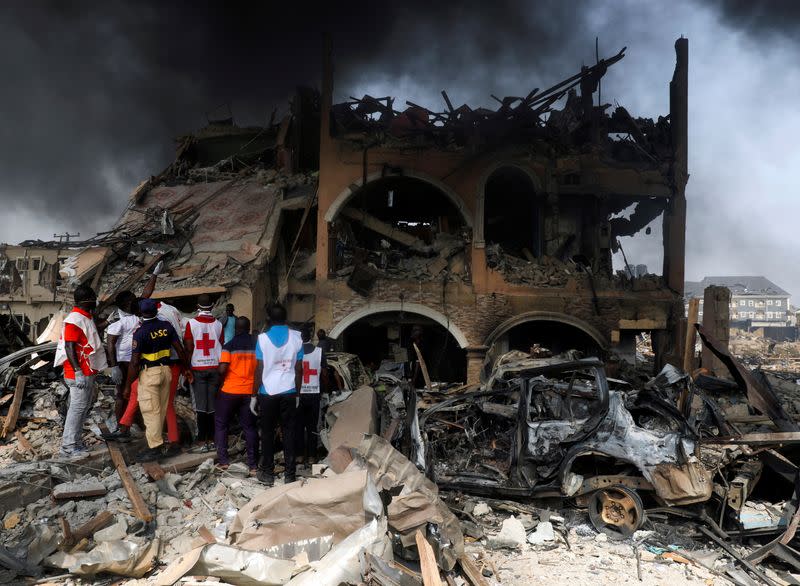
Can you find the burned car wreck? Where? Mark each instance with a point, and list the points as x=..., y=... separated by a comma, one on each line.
x=553, y=428
x=558, y=427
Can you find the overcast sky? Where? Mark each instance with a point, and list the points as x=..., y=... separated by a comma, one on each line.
x=95, y=92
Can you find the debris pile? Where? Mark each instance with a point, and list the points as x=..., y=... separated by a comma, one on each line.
x=513, y=542
x=546, y=460
x=396, y=254
x=766, y=354
x=550, y=271
x=33, y=410
x=224, y=523
x=543, y=272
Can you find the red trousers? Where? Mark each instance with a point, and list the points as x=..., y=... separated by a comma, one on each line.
x=172, y=420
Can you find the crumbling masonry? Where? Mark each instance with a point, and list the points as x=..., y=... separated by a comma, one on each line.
x=511, y=217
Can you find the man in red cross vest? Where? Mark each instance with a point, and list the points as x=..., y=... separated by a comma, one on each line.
x=314, y=364
x=203, y=339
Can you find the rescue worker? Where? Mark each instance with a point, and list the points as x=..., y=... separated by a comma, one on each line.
x=203, y=340
x=237, y=369
x=308, y=406
x=170, y=314
x=279, y=373
x=150, y=365
x=80, y=349
x=119, y=336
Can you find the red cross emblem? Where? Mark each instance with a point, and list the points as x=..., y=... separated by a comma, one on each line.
x=206, y=343
x=308, y=372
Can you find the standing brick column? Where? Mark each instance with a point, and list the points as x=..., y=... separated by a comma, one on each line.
x=475, y=358
x=716, y=321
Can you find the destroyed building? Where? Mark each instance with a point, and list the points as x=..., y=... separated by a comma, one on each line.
x=497, y=227
x=219, y=216
x=478, y=228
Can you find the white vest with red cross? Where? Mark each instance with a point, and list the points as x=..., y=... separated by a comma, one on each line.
x=207, y=348
x=311, y=369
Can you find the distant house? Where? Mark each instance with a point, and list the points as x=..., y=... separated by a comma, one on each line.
x=756, y=302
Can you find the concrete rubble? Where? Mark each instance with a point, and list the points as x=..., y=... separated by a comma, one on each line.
x=358, y=517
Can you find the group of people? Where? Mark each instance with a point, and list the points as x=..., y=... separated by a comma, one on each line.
x=271, y=380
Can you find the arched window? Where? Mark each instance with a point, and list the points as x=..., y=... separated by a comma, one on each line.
x=513, y=213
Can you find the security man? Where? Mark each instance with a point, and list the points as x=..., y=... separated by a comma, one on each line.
x=150, y=362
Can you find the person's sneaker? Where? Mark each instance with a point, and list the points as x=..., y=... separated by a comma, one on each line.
x=171, y=450
x=265, y=477
x=73, y=454
x=149, y=455
x=208, y=447
x=289, y=478
x=117, y=436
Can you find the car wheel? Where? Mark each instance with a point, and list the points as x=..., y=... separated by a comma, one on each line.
x=616, y=511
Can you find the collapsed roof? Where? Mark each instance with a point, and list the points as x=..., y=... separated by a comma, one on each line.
x=532, y=120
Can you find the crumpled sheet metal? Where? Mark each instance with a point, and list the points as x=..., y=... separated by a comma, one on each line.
x=659, y=456
x=231, y=564
x=309, y=509
x=514, y=363
x=341, y=565
x=759, y=396
x=669, y=375
x=418, y=502
x=123, y=558
x=682, y=484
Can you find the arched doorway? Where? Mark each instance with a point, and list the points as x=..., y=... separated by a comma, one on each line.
x=512, y=213
x=385, y=332
x=394, y=225
x=554, y=331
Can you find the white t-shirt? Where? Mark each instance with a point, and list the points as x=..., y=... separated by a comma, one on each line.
x=171, y=314
x=124, y=328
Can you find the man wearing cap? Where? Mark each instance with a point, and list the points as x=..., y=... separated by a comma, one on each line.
x=150, y=365
x=80, y=350
x=169, y=314
x=203, y=339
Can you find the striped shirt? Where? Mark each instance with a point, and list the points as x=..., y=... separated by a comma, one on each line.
x=240, y=355
x=153, y=341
